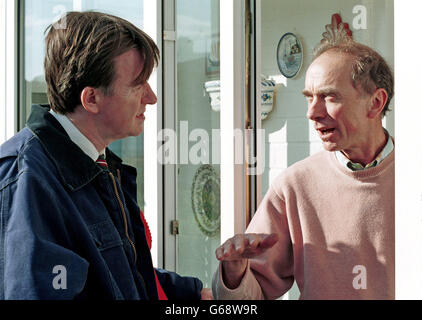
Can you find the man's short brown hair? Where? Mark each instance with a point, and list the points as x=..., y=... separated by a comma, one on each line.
x=82, y=54
x=369, y=69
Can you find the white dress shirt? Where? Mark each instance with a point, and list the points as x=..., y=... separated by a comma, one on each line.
x=77, y=136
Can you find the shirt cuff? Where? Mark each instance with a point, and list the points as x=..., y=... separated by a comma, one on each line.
x=248, y=289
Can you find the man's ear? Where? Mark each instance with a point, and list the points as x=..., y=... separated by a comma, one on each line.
x=378, y=100
x=89, y=99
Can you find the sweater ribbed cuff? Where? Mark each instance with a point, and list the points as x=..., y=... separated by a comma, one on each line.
x=248, y=288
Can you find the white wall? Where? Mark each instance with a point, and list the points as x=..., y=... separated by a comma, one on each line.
x=8, y=69
x=289, y=135
x=408, y=152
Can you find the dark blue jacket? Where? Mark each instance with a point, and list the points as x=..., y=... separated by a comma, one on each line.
x=68, y=228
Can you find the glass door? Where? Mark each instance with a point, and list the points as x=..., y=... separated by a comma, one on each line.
x=204, y=118
x=197, y=125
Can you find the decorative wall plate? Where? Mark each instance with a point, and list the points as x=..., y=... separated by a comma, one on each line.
x=289, y=55
x=206, y=200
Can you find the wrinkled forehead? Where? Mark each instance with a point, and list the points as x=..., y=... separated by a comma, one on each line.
x=330, y=67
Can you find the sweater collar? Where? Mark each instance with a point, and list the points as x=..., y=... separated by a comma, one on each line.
x=347, y=163
x=363, y=174
x=75, y=167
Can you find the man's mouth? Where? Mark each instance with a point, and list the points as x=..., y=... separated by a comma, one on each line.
x=323, y=132
x=140, y=116
x=326, y=130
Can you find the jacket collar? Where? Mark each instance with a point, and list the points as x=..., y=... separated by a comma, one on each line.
x=75, y=168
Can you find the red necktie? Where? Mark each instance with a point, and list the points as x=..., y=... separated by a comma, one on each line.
x=102, y=161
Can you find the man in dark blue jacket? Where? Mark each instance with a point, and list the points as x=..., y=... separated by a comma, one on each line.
x=70, y=227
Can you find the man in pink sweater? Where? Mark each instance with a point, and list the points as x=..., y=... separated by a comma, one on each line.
x=327, y=221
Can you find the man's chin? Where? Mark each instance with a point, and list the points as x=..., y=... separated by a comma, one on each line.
x=330, y=146
x=136, y=132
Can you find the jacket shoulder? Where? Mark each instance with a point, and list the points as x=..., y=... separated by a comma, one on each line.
x=22, y=152
x=13, y=146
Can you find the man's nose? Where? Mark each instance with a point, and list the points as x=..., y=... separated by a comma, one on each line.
x=149, y=96
x=316, y=109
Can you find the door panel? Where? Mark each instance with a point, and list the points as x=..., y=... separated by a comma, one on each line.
x=198, y=170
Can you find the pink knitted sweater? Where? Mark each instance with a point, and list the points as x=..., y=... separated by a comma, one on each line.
x=336, y=231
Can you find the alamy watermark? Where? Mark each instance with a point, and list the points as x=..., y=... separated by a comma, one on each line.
x=360, y=280
x=200, y=146
x=360, y=19
x=60, y=280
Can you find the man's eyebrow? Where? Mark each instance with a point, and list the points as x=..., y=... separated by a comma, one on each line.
x=139, y=80
x=136, y=83
x=306, y=93
x=323, y=91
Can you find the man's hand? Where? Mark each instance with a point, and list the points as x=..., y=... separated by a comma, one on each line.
x=236, y=251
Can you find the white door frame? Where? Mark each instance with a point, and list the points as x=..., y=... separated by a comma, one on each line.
x=9, y=56
x=153, y=171
x=232, y=102
x=408, y=186
x=260, y=144
x=169, y=111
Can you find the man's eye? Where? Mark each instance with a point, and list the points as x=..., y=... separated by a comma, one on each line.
x=331, y=98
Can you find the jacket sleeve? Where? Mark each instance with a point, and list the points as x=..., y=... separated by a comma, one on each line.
x=36, y=260
x=269, y=275
x=178, y=287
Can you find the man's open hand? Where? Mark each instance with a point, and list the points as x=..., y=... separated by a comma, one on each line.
x=235, y=252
